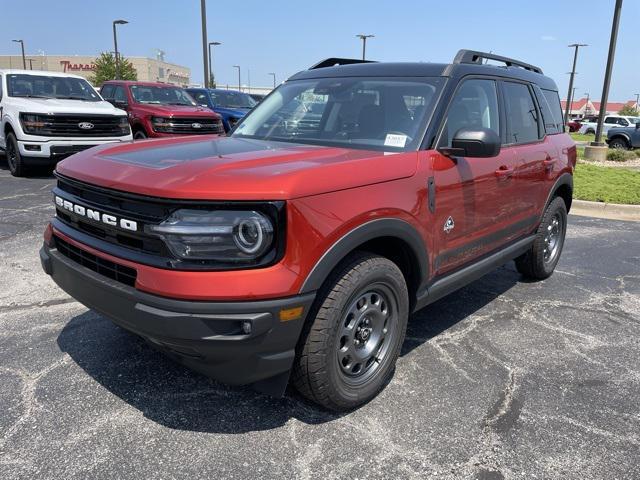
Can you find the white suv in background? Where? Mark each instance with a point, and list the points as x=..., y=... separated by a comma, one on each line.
x=47, y=116
x=610, y=121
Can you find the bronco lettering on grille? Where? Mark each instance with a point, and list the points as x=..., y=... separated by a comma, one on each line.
x=97, y=216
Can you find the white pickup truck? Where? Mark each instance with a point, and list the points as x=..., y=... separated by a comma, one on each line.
x=610, y=121
x=47, y=116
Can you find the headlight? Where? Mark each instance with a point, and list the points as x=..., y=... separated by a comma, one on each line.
x=123, y=124
x=35, y=124
x=161, y=124
x=227, y=236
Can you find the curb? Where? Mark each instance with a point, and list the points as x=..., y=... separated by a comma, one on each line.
x=611, y=211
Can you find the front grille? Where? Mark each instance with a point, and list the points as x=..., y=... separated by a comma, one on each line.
x=193, y=126
x=69, y=126
x=63, y=151
x=107, y=268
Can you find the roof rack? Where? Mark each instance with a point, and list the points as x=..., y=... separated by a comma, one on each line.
x=332, y=62
x=471, y=56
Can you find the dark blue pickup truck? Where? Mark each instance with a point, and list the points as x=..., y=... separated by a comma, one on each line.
x=231, y=105
x=624, y=137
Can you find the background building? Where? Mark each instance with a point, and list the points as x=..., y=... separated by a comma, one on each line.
x=149, y=69
x=582, y=108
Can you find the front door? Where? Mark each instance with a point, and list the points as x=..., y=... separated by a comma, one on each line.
x=472, y=194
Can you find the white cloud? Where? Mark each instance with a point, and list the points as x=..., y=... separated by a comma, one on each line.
x=548, y=38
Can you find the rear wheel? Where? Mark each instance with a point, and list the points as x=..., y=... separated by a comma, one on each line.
x=15, y=161
x=619, y=143
x=590, y=131
x=349, y=348
x=541, y=259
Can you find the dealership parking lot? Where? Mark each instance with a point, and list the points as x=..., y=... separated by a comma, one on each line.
x=503, y=379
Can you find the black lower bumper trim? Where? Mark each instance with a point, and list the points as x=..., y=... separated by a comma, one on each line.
x=206, y=336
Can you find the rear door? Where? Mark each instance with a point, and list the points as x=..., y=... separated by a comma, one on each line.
x=472, y=205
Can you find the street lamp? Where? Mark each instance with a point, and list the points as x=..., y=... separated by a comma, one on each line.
x=24, y=62
x=274, y=80
x=576, y=46
x=238, y=67
x=205, y=62
x=212, y=78
x=115, y=44
x=364, y=42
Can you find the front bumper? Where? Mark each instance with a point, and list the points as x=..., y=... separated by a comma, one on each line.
x=59, y=149
x=206, y=336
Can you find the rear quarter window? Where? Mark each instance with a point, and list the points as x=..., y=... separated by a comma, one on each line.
x=553, y=103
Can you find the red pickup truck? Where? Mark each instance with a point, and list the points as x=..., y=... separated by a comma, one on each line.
x=295, y=249
x=160, y=110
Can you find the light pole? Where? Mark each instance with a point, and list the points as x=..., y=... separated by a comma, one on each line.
x=576, y=46
x=212, y=78
x=637, y=97
x=24, y=62
x=586, y=105
x=607, y=74
x=205, y=60
x=238, y=67
x=274, y=82
x=364, y=43
x=115, y=44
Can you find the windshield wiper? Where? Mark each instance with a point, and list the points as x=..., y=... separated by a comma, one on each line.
x=75, y=98
x=31, y=96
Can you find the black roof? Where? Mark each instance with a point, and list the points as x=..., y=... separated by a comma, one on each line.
x=467, y=62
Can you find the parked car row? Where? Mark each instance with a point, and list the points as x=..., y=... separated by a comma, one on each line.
x=47, y=116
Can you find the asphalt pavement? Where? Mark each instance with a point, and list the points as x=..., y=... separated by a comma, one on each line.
x=502, y=379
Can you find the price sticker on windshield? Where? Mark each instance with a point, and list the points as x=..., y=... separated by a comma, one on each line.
x=395, y=140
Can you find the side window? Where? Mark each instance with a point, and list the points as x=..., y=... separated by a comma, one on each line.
x=623, y=122
x=474, y=105
x=610, y=120
x=119, y=95
x=107, y=92
x=200, y=98
x=521, y=113
x=552, y=101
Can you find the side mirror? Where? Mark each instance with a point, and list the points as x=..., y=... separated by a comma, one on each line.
x=473, y=142
x=637, y=125
x=121, y=105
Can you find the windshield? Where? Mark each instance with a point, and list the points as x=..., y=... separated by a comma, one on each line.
x=43, y=86
x=388, y=114
x=231, y=99
x=161, y=95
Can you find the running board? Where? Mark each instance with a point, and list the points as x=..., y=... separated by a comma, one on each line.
x=458, y=279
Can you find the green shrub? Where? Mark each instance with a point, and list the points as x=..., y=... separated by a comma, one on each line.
x=620, y=155
x=637, y=152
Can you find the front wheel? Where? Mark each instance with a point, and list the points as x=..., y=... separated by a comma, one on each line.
x=541, y=259
x=15, y=161
x=349, y=348
x=139, y=135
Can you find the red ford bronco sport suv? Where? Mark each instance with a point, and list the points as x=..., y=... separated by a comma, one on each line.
x=160, y=110
x=295, y=249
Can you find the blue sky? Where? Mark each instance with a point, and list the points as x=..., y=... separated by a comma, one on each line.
x=287, y=36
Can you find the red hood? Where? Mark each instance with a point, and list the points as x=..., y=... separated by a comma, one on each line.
x=175, y=110
x=224, y=168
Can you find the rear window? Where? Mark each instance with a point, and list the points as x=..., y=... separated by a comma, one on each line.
x=553, y=102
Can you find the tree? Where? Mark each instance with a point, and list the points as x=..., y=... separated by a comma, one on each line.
x=629, y=111
x=106, y=69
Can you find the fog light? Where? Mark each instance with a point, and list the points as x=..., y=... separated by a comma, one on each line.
x=291, y=314
x=32, y=148
x=246, y=327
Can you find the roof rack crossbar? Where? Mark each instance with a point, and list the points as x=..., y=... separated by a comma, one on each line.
x=471, y=56
x=332, y=62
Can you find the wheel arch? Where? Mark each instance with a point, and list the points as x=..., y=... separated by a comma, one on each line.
x=621, y=135
x=562, y=188
x=392, y=238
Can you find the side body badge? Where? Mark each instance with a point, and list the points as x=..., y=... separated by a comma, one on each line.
x=449, y=225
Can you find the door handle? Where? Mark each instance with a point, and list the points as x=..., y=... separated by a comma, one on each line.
x=549, y=163
x=504, y=171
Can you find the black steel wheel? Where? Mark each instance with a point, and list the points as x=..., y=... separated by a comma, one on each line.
x=15, y=162
x=541, y=259
x=349, y=346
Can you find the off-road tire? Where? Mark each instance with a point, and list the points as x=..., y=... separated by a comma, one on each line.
x=533, y=263
x=15, y=161
x=619, y=144
x=317, y=373
x=140, y=134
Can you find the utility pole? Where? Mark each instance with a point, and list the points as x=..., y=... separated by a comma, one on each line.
x=115, y=45
x=203, y=18
x=274, y=83
x=239, y=86
x=212, y=78
x=576, y=46
x=364, y=43
x=24, y=62
x=30, y=60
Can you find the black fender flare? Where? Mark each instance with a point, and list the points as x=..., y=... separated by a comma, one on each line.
x=624, y=135
x=564, y=179
x=383, y=227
